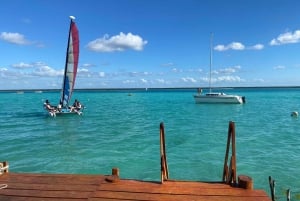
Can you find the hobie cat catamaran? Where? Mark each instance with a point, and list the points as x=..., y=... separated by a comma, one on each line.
x=69, y=77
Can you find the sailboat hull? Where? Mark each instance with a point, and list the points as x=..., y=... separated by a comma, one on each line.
x=219, y=98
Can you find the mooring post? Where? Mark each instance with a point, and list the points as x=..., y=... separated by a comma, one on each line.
x=245, y=182
x=229, y=173
x=272, y=188
x=163, y=158
x=288, y=194
x=115, y=175
x=115, y=172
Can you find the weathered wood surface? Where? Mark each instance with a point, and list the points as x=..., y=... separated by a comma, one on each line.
x=67, y=187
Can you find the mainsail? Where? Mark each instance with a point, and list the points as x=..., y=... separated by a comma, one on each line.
x=71, y=64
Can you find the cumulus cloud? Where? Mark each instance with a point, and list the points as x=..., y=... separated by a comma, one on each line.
x=238, y=46
x=119, y=42
x=257, y=47
x=286, y=38
x=231, y=46
x=47, y=71
x=14, y=38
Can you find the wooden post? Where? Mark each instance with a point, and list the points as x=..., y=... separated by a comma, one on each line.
x=229, y=173
x=245, y=182
x=272, y=188
x=115, y=175
x=163, y=158
x=115, y=172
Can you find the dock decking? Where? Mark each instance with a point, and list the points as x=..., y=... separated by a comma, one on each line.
x=67, y=187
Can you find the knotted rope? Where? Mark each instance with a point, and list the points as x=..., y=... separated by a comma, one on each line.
x=2, y=169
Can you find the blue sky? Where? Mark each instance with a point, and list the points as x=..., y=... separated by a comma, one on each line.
x=151, y=43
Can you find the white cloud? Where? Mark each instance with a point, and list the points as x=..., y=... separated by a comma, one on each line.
x=119, y=42
x=232, y=46
x=22, y=65
x=3, y=69
x=101, y=74
x=83, y=70
x=257, y=47
x=286, y=38
x=229, y=70
x=144, y=81
x=161, y=81
x=87, y=65
x=47, y=71
x=188, y=79
x=14, y=38
x=227, y=79
x=279, y=67
x=238, y=46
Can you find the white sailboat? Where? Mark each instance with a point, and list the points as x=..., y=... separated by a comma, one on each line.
x=72, y=57
x=216, y=97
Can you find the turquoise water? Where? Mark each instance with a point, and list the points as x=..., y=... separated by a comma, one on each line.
x=118, y=130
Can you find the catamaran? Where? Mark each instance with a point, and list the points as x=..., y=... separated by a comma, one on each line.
x=216, y=97
x=69, y=78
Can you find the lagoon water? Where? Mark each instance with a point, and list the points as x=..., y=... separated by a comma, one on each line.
x=121, y=129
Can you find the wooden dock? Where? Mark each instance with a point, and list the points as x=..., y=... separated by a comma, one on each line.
x=69, y=187
x=64, y=187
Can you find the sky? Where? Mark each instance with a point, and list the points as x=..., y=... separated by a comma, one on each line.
x=151, y=43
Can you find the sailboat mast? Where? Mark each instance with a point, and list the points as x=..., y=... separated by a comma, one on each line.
x=210, y=60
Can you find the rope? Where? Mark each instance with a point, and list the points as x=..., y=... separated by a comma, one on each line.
x=2, y=169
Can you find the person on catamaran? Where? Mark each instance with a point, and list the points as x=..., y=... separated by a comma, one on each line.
x=48, y=106
x=59, y=106
x=76, y=106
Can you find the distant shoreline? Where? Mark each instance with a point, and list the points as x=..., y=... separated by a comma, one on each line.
x=142, y=89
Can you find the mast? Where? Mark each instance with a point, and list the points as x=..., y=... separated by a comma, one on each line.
x=210, y=60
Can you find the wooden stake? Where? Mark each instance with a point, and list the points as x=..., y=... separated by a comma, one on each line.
x=245, y=182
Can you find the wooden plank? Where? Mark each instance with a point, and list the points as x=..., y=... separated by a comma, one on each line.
x=178, y=197
x=178, y=188
x=45, y=193
x=68, y=187
x=15, y=198
x=52, y=187
x=51, y=178
x=49, y=186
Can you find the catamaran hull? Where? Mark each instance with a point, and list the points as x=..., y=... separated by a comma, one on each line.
x=64, y=111
x=230, y=99
x=54, y=114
